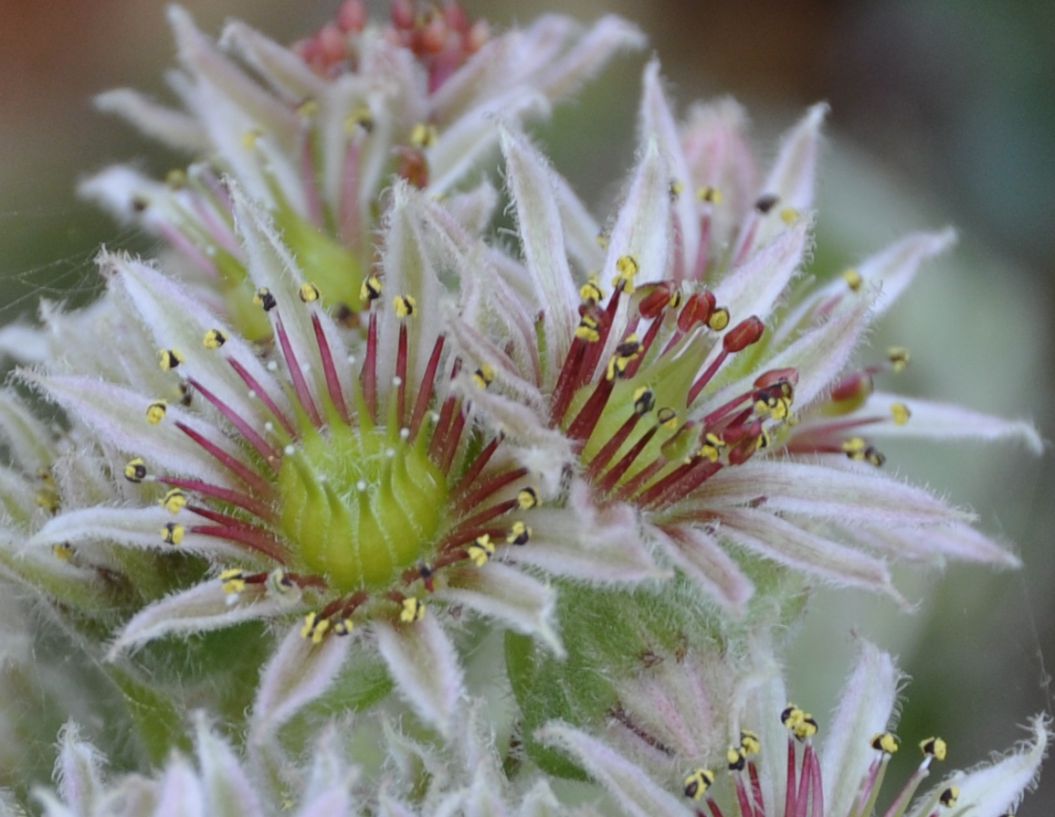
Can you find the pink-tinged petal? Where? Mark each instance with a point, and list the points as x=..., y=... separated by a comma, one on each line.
x=211, y=68
x=118, y=416
x=171, y=127
x=820, y=492
x=755, y=286
x=78, y=771
x=945, y=421
x=933, y=544
x=129, y=527
x=787, y=544
x=997, y=787
x=698, y=555
x=866, y=707
x=201, y=608
x=791, y=180
x=50, y=804
x=177, y=321
x=31, y=445
x=424, y=664
x=720, y=157
x=525, y=604
x=657, y=120
x=476, y=79
x=763, y=694
x=226, y=788
x=484, y=796
x=282, y=69
x=390, y=807
x=542, y=237
x=473, y=210
x=474, y=136
x=606, y=38
x=298, y=673
x=580, y=227
x=643, y=228
x=631, y=789
x=180, y=793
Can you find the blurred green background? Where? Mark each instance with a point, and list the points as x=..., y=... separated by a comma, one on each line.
x=942, y=112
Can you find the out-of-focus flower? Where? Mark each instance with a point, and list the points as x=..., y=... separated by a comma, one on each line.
x=317, y=132
x=843, y=778
x=700, y=390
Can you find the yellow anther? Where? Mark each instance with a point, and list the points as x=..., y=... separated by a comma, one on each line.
x=675, y=299
x=308, y=109
x=588, y=329
x=63, y=551
x=481, y=551
x=735, y=758
x=874, y=456
x=676, y=188
x=602, y=240
x=750, y=743
x=423, y=136
x=900, y=413
x=176, y=178
x=360, y=118
x=855, y=448
x=172, y=533
x=527, y=499
x=413, y=609
x=48, y=499
x=789, y=215
x=233, y=580
x=697, y=783
x=519, y=534
x=319, y=633
x=949, y=797
x=250, y=139
x=899, y=358
x=156, y=412
x=711, y=195
x=213, y=339
x=136, y=470
x=264, y=299
x=591, y=291
x=626, y=270
x=344, y=626
x=644, y=400
x=853, y=279
x=174, y=501
x=370, y=290
x=719, y=319
x=484, y=376
x=404, y=305
x=309, y=625
x=169, y=359
x=668, y=418
x=934, y=747
x=886, y=742
x=309, y=293
x=709, y=452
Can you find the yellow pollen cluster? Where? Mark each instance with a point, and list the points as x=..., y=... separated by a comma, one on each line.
x=360, y=118
x=233, y=580
x=527, y=499
x=750, y=743
x=676, y=188
x=63, y=552
x=404, y=305
x=172, y=534
x=308, y=109
x=213, y=339
x=718, y=319
x=697, y=783
x=900, y=413
x=309, y=293
x=853, y=279
x=625, y=353
x=423, y=136
x=314, y=628
x=481, y=551
x=519, y=534
x=156, y=412
x=790, y=216
x=484, y=376
x=413, y=610
x=174, y=501
x=886, y=742
x=711, y=195
x=899, y=358
x=626, y=270
x=801, y=724
x=264, y=299
x=591, y=291
x=169, y=359
x=949, y=797
x=934, y=747
x=712, y=447
x=135, y=470
x=588, y=329
x=644, y=400
x=370, y=290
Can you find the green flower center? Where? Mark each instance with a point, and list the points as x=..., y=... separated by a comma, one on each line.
x=360, y=506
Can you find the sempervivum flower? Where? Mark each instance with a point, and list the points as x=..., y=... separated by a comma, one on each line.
x=318, y=131
x=349, y=487
x=844, y=777
x=692, y=382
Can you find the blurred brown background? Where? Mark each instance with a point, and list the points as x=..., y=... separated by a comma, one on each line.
x=942, y=113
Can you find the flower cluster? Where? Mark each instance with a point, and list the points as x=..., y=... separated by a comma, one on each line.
x=341, y=404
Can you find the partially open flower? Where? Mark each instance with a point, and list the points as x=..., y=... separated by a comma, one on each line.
x=843, y=778
x=317, y=132
x=692, y=383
